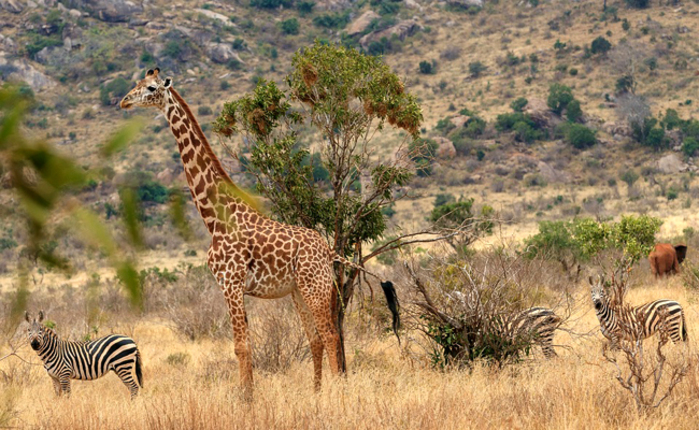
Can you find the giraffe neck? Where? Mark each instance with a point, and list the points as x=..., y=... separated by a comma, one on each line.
x=215, y=195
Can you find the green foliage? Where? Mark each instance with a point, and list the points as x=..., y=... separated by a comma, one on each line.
x=116, y=88
x=638, y=4
x=7, y=243
x=427, y=67
x=290, y=26
x=476, y=68
x=600, y=46
x=672, y=120
x=690, y=145
x=442, y=199
x=648, y=133
x=336, y=21
x=271, y=4
x=305, y=7
x=580, y=136
x=624, y=84
x=574, y=111
x=519, y=104
x=630, y=177
x=559, y=97
x=525, y=129
x=422, y=152
x=585, y=238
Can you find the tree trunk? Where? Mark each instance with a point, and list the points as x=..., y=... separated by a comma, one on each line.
x=341, y=300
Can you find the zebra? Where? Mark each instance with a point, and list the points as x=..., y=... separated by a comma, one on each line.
x=618, y=322
x=65, y=360
x=537, y=324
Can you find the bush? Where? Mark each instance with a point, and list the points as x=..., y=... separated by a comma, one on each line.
x=290, y=26
x=335, y=21
x=690, y=146
x=476, y=68
x=574, y=111
x=305, y=7
x=519, y=104
x=525, y=132
x=428, y=68
x=600, y=46
x=638, y=4
x=630, y=177
x=580, y=136
x=559, y=97
x=204, y=110
x=271, y=4
x=443, y=199
x=422, y=153
x=117, y=88
x=624, y=84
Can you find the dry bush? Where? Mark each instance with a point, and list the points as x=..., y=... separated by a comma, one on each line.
x=277, y=336
x=468, y=308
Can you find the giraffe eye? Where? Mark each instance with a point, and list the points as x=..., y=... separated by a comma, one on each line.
x=151, y=88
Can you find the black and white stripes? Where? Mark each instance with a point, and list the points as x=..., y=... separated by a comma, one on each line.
x=538, y=325
x=65, y=360
x=620, y=322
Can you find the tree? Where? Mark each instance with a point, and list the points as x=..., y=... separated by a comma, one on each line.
x=458, y=216
x=580, y=136
x=345, y=97
x=600, y=46
x=559, y=97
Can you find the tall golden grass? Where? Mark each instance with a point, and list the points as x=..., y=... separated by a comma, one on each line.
x=193, y=385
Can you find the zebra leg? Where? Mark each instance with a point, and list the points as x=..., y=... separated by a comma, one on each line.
x=56, y=386
x=547, y=349
x=313, y=337
x=65, y=386
x=125, y=373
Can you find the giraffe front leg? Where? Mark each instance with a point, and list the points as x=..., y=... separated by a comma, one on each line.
x=313, y=337
x=236, y=310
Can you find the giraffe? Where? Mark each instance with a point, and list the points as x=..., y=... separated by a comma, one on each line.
x=251, y=254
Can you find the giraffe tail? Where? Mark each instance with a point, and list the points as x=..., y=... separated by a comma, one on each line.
x=388, y=289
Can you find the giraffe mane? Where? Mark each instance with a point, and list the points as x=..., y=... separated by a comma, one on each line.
x=216, y=163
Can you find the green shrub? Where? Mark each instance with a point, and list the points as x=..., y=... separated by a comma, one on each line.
x=305, y=7
x=574, y=111
x=428, y=68
x=690, y=146
x=422, y=152
x=519, y=104
x=638, y=4
x=335, y=21
x=443, y=199
x=580, y=136
x=204, y=110
x=290, y=26
x=271, y=4
x=172, y=49
x=117, y=88
x=559, y=97
x=7, y=243
x=624, y=84
x=600, y=46
x=476, y=68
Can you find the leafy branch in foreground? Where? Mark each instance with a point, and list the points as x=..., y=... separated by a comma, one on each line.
x=45, y=182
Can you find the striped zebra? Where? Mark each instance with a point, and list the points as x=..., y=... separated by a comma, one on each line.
x=65, y=360
x=619, y=322
x=537, y=324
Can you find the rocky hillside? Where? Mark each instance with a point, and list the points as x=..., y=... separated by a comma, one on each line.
x=616, y=136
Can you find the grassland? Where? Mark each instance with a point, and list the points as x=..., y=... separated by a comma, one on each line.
x=193, y=384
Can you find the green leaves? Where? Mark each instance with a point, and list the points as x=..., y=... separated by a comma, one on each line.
x=122, y=137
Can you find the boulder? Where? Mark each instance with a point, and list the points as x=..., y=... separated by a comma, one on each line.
x=445, y=150
x=403, y=29
x=459, y=120
x=108, y=10
x=13, y=6
x=7, y=44
x=465, y=3
x=552, y=175
x=413, y=4
x=539, y=111
x=360, y=24
x=222, y=53
x=21, y=70
x=223, y=19
x=332, y=5
x=670, y=164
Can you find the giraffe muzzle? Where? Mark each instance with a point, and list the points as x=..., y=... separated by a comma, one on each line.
x=125, y=103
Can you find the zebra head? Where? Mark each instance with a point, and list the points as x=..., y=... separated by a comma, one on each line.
x=36, y=331
x=599, y=295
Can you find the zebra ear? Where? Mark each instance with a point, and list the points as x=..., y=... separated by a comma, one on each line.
x=41, y=316
x=27, y=317
x=591, y=281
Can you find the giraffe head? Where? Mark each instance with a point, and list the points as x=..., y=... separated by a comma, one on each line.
x=150, y=91
x=36, y=331
x=597, y=290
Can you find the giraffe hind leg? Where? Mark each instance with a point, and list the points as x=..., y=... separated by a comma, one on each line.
x=313, y=337
x=317, y=297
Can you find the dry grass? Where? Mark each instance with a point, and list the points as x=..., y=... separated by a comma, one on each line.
x=385, y=388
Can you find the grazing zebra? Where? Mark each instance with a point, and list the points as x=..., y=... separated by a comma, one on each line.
x=629, y=323
x=537, y=324
x=65, y=360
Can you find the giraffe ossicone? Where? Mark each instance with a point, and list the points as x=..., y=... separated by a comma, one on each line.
x=249, y=252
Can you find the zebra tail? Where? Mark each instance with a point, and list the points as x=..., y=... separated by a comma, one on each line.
x=393, y=305
x=684, y=329
x=139, y=373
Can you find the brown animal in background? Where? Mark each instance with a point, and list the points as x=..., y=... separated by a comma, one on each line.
x=665, y=259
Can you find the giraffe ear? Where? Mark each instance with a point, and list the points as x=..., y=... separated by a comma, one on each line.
x=168, y=83
x=150, y=72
